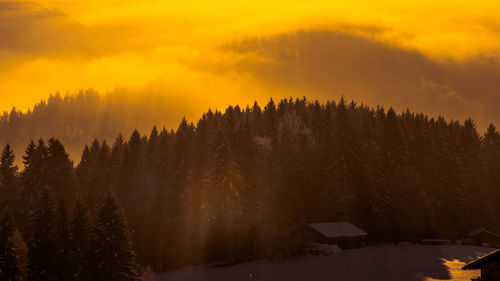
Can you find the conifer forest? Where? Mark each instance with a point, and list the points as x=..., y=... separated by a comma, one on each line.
x=239, y=185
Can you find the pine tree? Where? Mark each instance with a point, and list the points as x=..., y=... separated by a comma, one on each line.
x=59, y=168
x=269, y=118
x=9, y=264
x=223, y=204
x=149, y=182
x=94, y=173
x=155, y=248
x=42, y=244
x=130, y=171
x=475, y=184
x=244, y=155
x=61, y=242
x=28, y=186
x=101, y=172
x=115, y=162
x=181, y=150
x=177, y=191
x=8, y=180
x=78, y=244
x=83, y=173
x=256, y=118
x=151, y=164
x=344, y=170
x=112, y=257
x=491, y=166
x=34, y=176
x=397, y=171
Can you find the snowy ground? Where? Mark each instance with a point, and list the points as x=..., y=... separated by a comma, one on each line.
x=386, y=262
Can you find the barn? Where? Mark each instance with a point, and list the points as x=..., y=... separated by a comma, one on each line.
x=343, y=234
x=483, y=236
x=489, y=266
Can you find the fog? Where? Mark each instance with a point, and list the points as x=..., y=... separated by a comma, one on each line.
x=78, y=119
x=324, y=64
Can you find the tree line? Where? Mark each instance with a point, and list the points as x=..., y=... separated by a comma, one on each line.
x=77, y=119
x=241, y=184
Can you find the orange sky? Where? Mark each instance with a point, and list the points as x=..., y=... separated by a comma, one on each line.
x=62, y=45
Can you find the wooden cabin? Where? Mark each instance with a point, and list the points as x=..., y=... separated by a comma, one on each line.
x=489, y=266
x=343, y=234
x=483, y=236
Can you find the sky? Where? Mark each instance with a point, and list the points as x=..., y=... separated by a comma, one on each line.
x=437, y=57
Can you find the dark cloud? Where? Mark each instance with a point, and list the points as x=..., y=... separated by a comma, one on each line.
x=30, y=30
x=326, y=64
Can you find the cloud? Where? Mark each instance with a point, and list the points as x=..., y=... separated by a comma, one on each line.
x=327, y=64
x=30, y=30
x=371, y=57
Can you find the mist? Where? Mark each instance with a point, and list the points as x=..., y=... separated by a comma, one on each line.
x=324, y=64
x=77, y=119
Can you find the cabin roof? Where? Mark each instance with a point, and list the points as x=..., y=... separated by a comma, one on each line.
x=482, y=230
x=478, y=264
x=337, y=229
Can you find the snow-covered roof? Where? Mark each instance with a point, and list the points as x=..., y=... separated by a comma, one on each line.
x=482, y=230
x=478, y=264
x=337, y=229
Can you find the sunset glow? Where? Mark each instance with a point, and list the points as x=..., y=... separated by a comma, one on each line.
x=249, y=140
x=58, y=45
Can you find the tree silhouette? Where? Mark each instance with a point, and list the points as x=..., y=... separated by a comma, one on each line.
x=243, y=183
x=9, y=265
x=78, y=244
x=43, y=241
x=112, y=257
x=8, y=180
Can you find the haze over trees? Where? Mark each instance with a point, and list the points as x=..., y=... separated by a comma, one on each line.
x=239, y=185
x=78, y=119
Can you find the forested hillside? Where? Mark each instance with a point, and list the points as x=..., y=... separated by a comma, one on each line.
x=77, y=119
x=240, y=184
